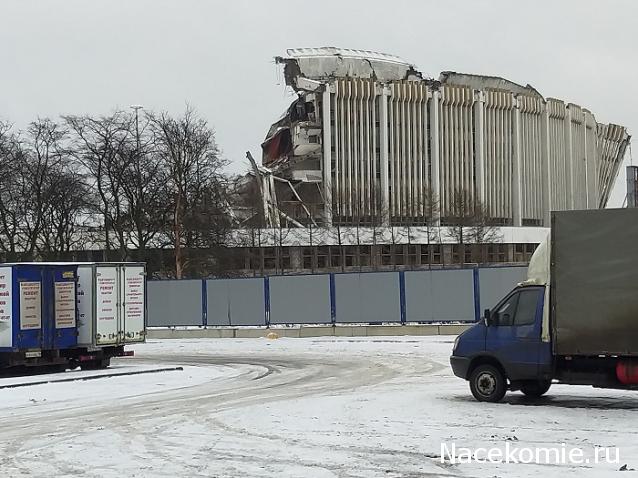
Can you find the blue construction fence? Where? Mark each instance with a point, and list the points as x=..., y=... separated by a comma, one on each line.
x=442, y=295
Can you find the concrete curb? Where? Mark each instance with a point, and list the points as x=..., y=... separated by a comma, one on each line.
x=305, y=331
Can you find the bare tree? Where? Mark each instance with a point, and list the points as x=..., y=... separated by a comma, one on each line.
x=101, y=145
x=130, y=176
x=144, y=187
x=470, y=221
x=67, y=217
x=11, y=191
x=432, y=212
x=193, y=164
x=43, y=198
x=44, y=155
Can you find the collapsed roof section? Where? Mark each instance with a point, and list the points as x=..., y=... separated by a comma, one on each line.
x=308, y=70
x=326, y=63
x=483, y=82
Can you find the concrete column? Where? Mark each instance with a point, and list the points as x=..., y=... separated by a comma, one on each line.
x=327, y=157
x=384, y=156
x=516, y=165
x=590, y=162
x=569, y=158
x=435, y=182
x=545, y=167
x=632, y=190
x=479, y=140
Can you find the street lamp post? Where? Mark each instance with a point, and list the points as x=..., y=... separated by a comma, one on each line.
x=136, y=164
x=137, y=108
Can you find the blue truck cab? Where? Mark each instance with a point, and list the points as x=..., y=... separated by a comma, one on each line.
x=506, y=345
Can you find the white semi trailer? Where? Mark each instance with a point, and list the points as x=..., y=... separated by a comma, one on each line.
x=111, y=300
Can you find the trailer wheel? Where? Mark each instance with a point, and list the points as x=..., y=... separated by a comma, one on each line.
x=536, y=388
x=488, y=384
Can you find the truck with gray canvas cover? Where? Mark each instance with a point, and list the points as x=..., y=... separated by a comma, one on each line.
x=574, y=320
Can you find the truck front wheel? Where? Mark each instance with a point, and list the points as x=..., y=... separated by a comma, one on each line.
x=536, y=388
x=487, y=383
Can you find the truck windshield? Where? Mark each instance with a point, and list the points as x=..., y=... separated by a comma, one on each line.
x=519, y=309
x=507, y=310
x=526, y=309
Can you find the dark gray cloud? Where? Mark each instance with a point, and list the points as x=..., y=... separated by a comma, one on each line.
x=79, y=56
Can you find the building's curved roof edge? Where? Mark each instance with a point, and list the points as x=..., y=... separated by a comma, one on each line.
x=330, y=51
x=486, y=81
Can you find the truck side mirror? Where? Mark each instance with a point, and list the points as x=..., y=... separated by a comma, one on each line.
x=488, y=316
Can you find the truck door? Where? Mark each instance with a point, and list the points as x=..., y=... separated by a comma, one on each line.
x=107, y=314
x=514, y=335
x=29, y=303
x=64, y=307
x=133, y=304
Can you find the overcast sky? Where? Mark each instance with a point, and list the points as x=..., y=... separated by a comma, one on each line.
x=92, y=56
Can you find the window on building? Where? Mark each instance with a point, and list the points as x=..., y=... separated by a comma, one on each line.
x=413, y=255
x=270, y=258
x=497, y=253
x=350, y=256
x=425, y=254
x=307, y=255
x=335, y=256
x=365, y=256
x=502, y=252
x=399, y=255
x=467, y=254
x=386, y=255
x=431, y=254
x=492, y=255
x=456, y=254
x=322, y=257
x=285, y=258
x=254, y=257
x=436, y=254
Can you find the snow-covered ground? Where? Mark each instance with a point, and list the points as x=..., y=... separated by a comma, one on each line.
x=320, y=407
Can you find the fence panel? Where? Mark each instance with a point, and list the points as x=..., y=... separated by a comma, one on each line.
x=440, y=295
x=174, y=303
x=495, y=282
x=303, y=299
x=367, y=297
x=235, y=302
x=437, y=295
